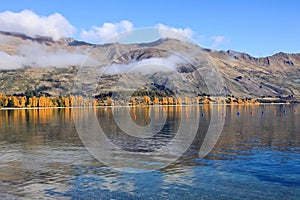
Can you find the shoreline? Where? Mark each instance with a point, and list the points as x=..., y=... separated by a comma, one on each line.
x=141, y=106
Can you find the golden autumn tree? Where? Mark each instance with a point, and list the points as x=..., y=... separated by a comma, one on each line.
x=179, y=101
x=22, y=102
x=164, y=101
x=66, y=101
x=170, y=101
x=197, y=99
x=34, y=101
x=206, y=100
x=147, y=100
x=132, y=101
x=29, y=105
x=253, y=101
x=75, y=101
x=95, y=102
x=3, y=100
x=220, y=101
x=232, y=101
x=186, y=100
x=79, y=100
x=42, y=101
x=55, y=101
x=240, y=101
x=71, y=100
x=49, y=102
x=108, y=101
x=15, y=101
x=156, y=101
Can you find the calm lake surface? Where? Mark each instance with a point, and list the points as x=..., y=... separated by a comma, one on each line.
x=257, y=154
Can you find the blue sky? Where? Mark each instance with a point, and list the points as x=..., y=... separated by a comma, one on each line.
x=260, y=28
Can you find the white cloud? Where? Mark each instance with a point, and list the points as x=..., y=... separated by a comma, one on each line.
x=106, y=31
x=177, y=33
x=8, y=61
x=146, y=66
x=217, y=40
x=187, y=33
x=29, y=23
x=38, y=55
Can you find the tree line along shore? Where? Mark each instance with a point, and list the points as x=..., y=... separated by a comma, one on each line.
x=23, y=101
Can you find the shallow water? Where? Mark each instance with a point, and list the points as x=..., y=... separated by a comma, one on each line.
x=257, y=154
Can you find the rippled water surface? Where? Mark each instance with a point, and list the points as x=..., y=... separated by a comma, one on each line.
x=257, y=154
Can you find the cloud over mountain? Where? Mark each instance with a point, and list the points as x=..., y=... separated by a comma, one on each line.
x=40, y=55
x=171, y=32
x=106, y=31
x=146, y=66
x=217, y=40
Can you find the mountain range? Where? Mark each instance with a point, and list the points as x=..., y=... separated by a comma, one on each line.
x=51, y=67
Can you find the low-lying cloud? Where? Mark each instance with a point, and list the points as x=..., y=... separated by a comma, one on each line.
x=38, y=55
x=146, y=66
x=55, y=26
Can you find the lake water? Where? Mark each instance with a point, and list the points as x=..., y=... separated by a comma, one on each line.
x=45, y=153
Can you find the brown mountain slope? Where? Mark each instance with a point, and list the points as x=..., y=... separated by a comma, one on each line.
x=48, y=66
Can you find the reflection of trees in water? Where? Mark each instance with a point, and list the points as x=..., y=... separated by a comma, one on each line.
x=190, y=156
x=252, y=129
x=244, y=134
x=38, y=126
x=142, y=117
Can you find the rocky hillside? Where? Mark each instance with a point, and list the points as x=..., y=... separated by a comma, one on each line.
x=52, y=67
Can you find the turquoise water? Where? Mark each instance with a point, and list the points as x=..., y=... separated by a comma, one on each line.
x=257, y=155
